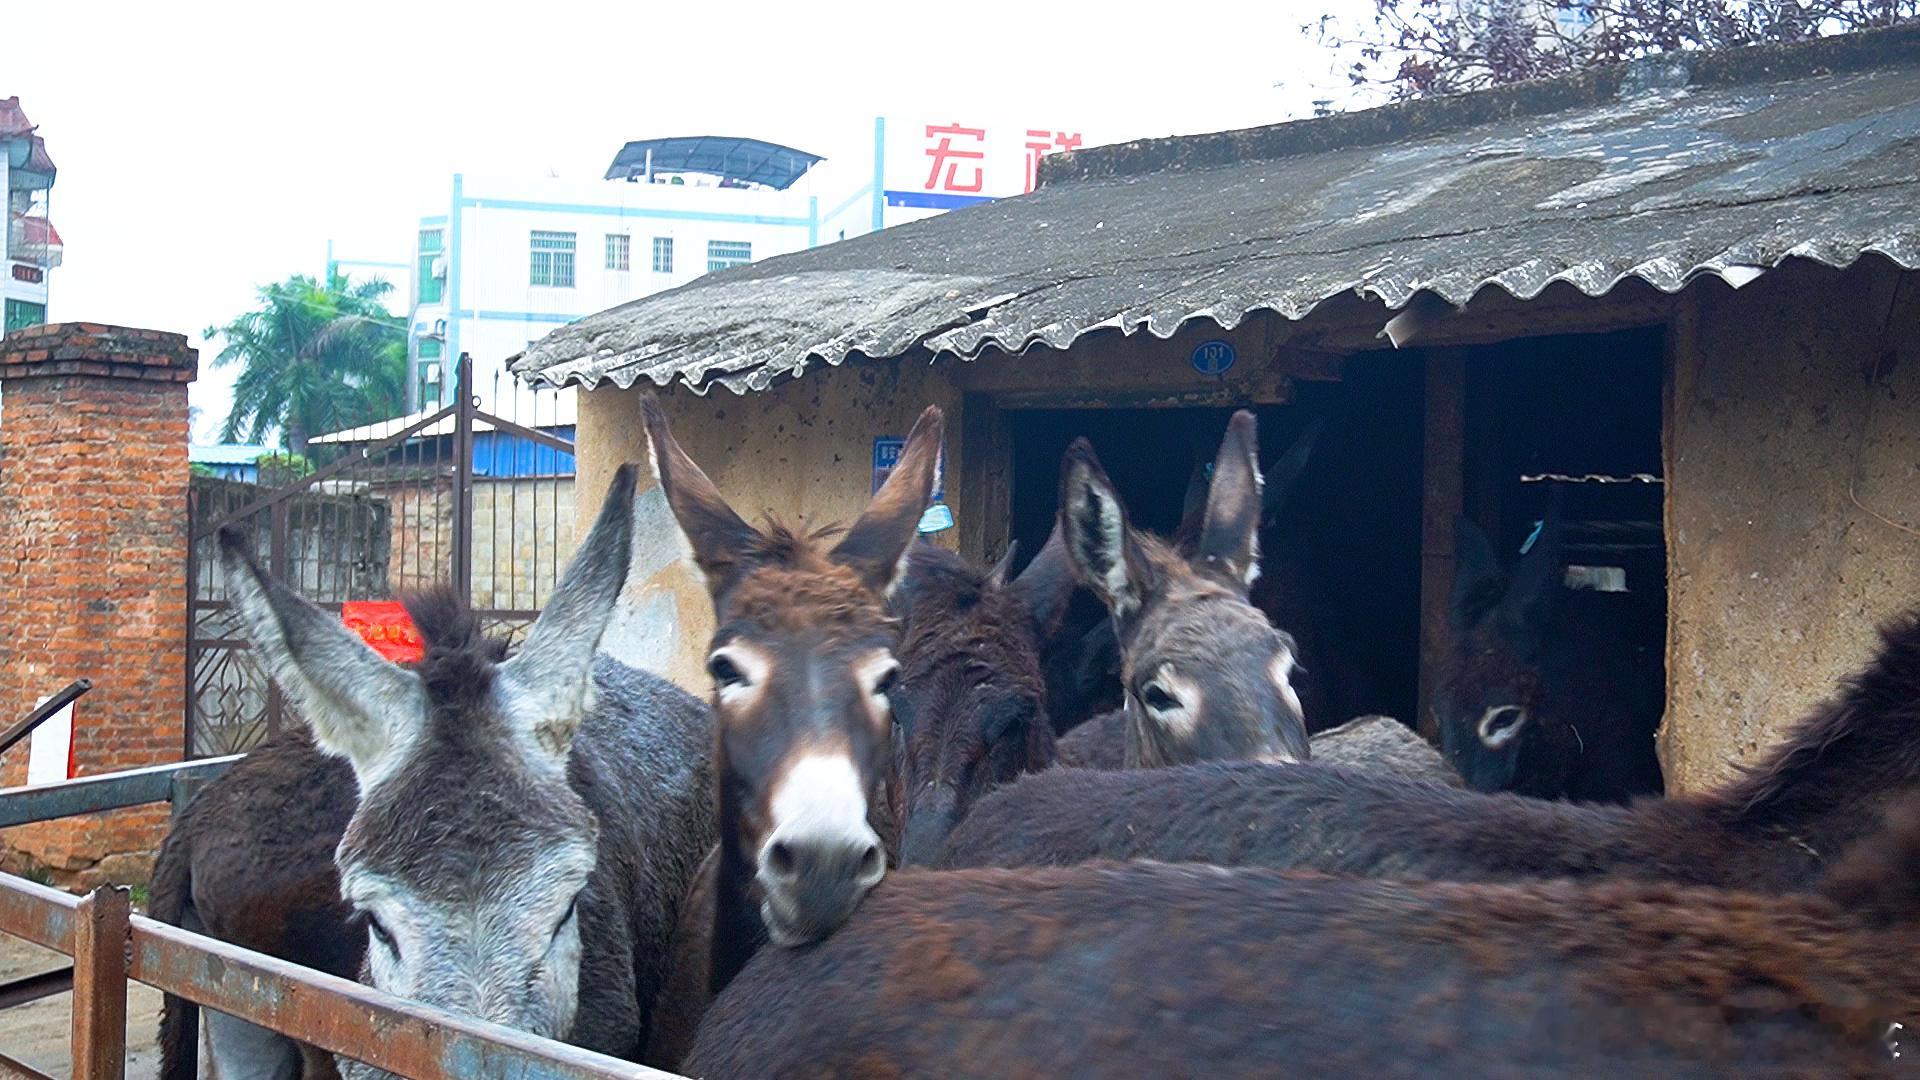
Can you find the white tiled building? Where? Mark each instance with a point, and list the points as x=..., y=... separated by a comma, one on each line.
x=503, y=261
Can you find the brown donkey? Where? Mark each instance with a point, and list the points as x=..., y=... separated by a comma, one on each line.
x=1206, y=677
x=969, y=715
x=802, y=661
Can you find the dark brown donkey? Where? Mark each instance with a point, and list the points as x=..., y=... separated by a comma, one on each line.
x=250, y=861
x=1206, y=676
x=1148, y=969
x=803, y=664
x=1775, y=828
x=970, y=712
x=969, y=715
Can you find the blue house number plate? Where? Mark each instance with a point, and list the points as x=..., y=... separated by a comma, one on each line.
x=1213, y=357
x=886, y=454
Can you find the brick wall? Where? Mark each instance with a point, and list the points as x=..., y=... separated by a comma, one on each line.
x=93, y=549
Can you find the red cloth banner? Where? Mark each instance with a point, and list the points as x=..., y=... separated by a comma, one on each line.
x=385, y=625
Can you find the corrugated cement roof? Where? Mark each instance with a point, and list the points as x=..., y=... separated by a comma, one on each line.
x=1717, y=163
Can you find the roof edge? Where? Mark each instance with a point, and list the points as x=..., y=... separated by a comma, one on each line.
x=1403, y=120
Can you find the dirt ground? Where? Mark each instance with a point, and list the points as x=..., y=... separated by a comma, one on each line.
x=36, y=1035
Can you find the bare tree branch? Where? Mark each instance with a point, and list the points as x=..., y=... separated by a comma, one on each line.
x=1417, y=48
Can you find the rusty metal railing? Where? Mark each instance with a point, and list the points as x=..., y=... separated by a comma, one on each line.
x=42, y=712
x=110, y=947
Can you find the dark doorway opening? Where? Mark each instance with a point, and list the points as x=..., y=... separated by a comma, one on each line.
x=1579, y=418
x=1345, y=551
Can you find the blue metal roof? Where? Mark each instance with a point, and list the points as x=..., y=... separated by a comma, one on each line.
x=749, y=161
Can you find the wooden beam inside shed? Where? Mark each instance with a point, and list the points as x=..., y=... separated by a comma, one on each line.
x=1443, y=479
x=984, y=493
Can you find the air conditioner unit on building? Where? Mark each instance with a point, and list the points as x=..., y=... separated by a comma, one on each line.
x=440, y=266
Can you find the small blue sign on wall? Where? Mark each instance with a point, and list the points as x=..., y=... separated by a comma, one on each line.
x=886, y=454
x=1214, y=357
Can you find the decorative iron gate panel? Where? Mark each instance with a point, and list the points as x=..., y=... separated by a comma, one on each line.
x=461, y=495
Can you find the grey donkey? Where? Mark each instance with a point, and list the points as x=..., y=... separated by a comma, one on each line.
x=526, y=828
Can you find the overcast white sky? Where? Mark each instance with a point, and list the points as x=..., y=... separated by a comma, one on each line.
x=207, y=148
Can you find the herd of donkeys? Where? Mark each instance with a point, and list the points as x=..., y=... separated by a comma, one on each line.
x=898, y=840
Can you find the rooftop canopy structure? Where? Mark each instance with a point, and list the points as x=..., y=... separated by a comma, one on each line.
x=753, y=162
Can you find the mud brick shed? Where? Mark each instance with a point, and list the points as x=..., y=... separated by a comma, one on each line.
x=1680, y=292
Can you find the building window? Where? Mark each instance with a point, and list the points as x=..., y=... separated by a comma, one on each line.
x=431, y=374
x=22, y=314
x=552, y=259
x=663, y=254
x=432, y=286
x=618, y=251
x=724, y=253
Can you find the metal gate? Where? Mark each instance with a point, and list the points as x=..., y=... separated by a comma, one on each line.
x=462, y=494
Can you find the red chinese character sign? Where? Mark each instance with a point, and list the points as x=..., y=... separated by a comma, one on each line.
x=385, y=625
x=929, y=166
x=1040, y=143
x=954, y=158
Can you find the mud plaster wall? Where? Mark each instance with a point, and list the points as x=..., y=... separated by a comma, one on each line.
x=803, y=449
x=1784, y=393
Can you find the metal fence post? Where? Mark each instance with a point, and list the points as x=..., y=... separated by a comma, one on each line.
x=279, y=533
x=463, y=479
x=101, y=937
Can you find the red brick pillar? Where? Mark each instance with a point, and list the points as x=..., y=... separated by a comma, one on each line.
x=93, y=555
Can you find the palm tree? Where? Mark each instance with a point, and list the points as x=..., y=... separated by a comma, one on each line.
x=317, y=358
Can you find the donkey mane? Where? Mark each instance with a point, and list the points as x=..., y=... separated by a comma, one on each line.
x=1871, y=724
x=791, y=543
x=457, y=669
x=950, y=614
x=794, y=583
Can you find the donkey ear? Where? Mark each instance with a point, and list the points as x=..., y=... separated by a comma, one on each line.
x=876, y=546
x=553, y=673
x=358, y=705
x=997, y=577
x=1478, y=581
x=1283, y=474
x=1230, y=540
x=1047, y=586
x=1536, y=580
x=1099, y=542
x=716, y=535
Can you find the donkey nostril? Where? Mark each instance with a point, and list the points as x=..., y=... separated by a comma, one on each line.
x=780, y=859
x=871, y=864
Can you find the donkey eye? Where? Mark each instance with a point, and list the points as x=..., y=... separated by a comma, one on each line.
x=573, y=910
x=886, y=681
x=1156, y=698
x=381, y=934
x=1500, y=724
x=724, y=671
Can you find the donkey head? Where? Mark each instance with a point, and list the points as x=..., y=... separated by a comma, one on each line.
x=1206, y=676
x=469, y=850
x=802, y=660
x=1082, y=664
x=1491, y=703
x=969, y=713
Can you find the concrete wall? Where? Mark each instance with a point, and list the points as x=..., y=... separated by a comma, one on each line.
x=802, y=450
x=1786, y=394
x=523, y=539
